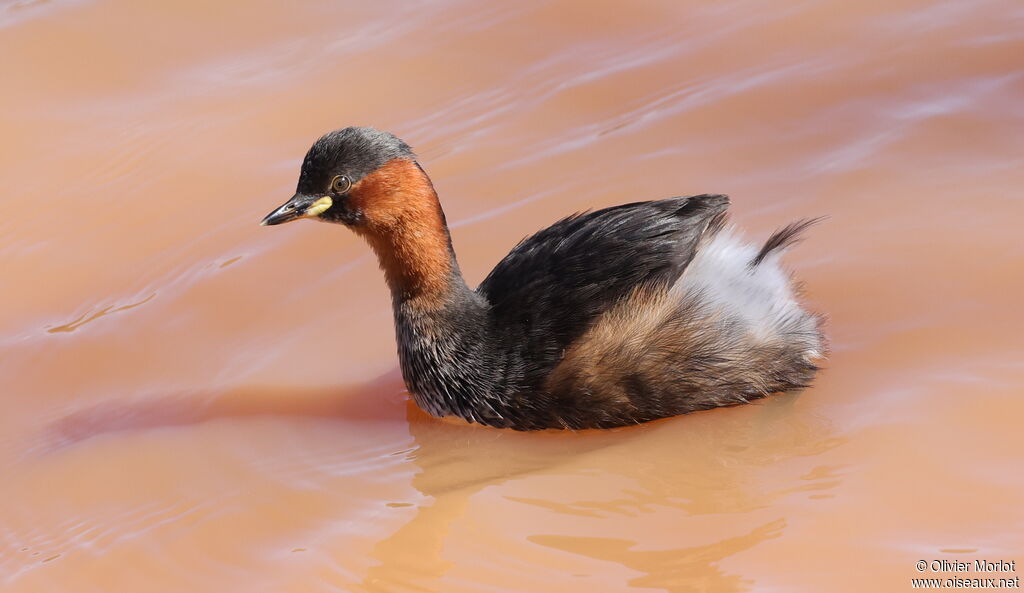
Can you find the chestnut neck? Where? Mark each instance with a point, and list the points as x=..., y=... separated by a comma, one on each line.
x=405, y=226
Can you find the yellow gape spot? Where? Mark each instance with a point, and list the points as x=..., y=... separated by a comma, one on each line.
x=318, y=207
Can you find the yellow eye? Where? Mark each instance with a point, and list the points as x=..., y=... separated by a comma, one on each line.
x=340, y=184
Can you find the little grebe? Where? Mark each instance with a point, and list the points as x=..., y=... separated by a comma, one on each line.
x=606, y=318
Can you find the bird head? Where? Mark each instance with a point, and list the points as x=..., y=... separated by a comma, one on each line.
x=352, y=176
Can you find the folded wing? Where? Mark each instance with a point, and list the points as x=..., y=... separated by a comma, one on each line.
x=554, y=284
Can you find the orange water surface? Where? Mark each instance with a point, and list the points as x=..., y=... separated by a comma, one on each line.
x=194, y=403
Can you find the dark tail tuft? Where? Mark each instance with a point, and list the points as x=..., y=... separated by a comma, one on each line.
x=784, y=237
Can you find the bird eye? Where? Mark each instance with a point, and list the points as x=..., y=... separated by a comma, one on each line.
x=341, y=184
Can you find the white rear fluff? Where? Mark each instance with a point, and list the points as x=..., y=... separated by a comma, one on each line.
x=761, y=296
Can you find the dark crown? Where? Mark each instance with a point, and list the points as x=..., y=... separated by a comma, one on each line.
x=353, y=151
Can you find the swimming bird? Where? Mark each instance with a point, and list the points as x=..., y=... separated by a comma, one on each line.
x=606, y=318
